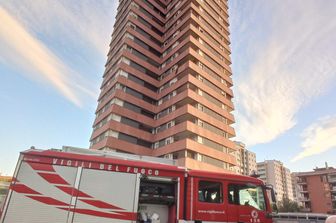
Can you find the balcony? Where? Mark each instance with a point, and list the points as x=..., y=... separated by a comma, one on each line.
x=332, y=179
x=302, y=188
x=304, y=199
x=302, y=182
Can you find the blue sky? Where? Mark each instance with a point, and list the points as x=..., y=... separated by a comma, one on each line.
x=52, y=56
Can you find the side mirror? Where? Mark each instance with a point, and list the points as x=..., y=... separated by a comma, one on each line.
x=270, y=188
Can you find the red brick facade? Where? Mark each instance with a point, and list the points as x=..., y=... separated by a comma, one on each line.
x=166, y=90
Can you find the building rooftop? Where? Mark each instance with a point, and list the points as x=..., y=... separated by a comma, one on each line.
x=318, y=171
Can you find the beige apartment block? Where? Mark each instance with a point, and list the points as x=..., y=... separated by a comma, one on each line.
x=246, y=160
x=275, y=173
x=167, y=85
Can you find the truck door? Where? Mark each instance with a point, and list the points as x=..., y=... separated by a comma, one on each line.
x=37, y=194
x=246, y=203
x=106, y=197
x=210, y=204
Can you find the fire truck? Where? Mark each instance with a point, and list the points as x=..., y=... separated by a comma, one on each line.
x=83, y=186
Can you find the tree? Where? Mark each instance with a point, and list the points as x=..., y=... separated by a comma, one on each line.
x=287, y=205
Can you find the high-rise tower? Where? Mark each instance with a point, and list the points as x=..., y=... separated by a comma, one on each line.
x=275, y=173
x=167, y=84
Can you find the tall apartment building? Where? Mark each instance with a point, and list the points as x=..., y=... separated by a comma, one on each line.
x=275, y=173
x=166, y=89
x=316, y=190
x=295, y=188
x=246, y=160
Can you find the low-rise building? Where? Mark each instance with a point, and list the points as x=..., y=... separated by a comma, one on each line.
x=316, y=190
x=275, y=173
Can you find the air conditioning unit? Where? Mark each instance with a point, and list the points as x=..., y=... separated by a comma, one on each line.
x=173, y=81
x=175, y=44
x=174, y=68
x=133, y=15
x=129, y=36
x=135, y=5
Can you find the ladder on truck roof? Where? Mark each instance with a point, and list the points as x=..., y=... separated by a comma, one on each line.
x=117, y=155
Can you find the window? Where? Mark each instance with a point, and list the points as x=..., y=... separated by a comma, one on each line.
x=250, y=195
x=210, y=192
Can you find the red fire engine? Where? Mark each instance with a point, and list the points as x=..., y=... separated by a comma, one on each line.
x=90, y=187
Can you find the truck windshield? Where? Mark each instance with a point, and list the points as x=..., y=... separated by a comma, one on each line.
x=251, y=195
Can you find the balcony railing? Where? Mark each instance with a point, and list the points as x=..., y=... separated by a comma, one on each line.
x=302, y=182
x=304, y=199
x=332, y=179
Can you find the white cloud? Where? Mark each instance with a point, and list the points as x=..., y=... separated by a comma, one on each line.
x=283, y=70
x=318, y=138
x=87, y=23
x=42, y=40
x=23, y=50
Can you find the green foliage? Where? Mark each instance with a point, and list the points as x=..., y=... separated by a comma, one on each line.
x=287, y=205
x=3, y=191
x=274, y=207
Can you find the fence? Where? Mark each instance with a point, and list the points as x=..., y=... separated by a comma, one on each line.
x=299, y=218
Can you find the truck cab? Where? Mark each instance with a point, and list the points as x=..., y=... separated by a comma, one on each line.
x=223, y=197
